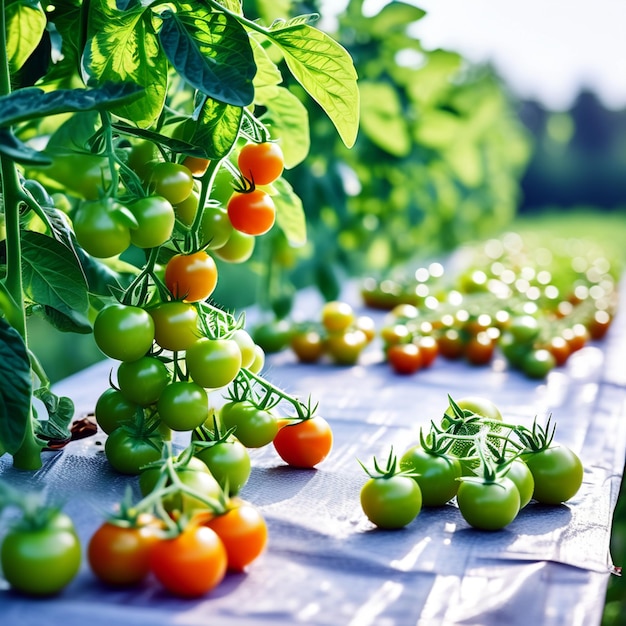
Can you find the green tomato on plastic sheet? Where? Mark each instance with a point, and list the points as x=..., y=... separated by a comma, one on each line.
x=41, y=560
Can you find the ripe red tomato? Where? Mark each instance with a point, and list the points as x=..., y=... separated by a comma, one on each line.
x=190, y=564
x=404, y=358
x=304, y=443
x=191, y=277
x=243, y=532
x=252, y=212
x=119, y=554
x=261, y=163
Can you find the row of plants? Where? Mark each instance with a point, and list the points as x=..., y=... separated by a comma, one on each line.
x=138, y=143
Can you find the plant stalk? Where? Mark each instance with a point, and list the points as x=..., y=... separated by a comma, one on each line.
x=28, y=455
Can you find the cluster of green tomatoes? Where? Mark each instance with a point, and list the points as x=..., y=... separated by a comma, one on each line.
x=490, y=468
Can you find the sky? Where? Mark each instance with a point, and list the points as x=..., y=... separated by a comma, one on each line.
x=544, y=49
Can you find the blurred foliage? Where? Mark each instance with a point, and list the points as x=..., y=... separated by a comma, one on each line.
x=437, y=162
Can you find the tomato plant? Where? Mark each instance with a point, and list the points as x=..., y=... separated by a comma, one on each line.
x=304, y=443
x=191, y=483
x=135, y=154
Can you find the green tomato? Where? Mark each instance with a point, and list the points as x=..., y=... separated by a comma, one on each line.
x=519, y=472
x=391, y=502
x=113, y=410
x=183, y=405
x=155, y=221
x=557, y=472
x=538, y=363
x=175, y=325
x=216, y=228
x=41, y=560
x=186, y=210
x=524, y=328
x=128, y=451
x=273, y=336
x=254, y=427
x=195, y=475
x=173, y=181
x=213, y=363
x=229, y=462
x=123, y=332
x=438, y=475
x=246, y=345
x=488, y=505
x=102, y=227
x=142, y=381
x=237, y=249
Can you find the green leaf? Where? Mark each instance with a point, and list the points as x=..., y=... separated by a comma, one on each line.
x=290, y=216
x=15, y=388
x=31, y=102
x=211, y=51
x=382, y=119
x=325, y=70
x=438, y=129
x=217, y=128
x=394, y=17
x=12, y=147
x=267, y=73
x=52, y=274
x=123, y=47
x=288, y=120
x=60, y=412
x=68, y=321
x=25, y=26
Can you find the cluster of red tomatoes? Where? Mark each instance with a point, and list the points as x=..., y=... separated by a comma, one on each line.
x=489, y=468
x=512, y=306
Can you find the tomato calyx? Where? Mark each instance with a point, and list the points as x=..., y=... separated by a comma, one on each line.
x=538, y=438
x=389, y=470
